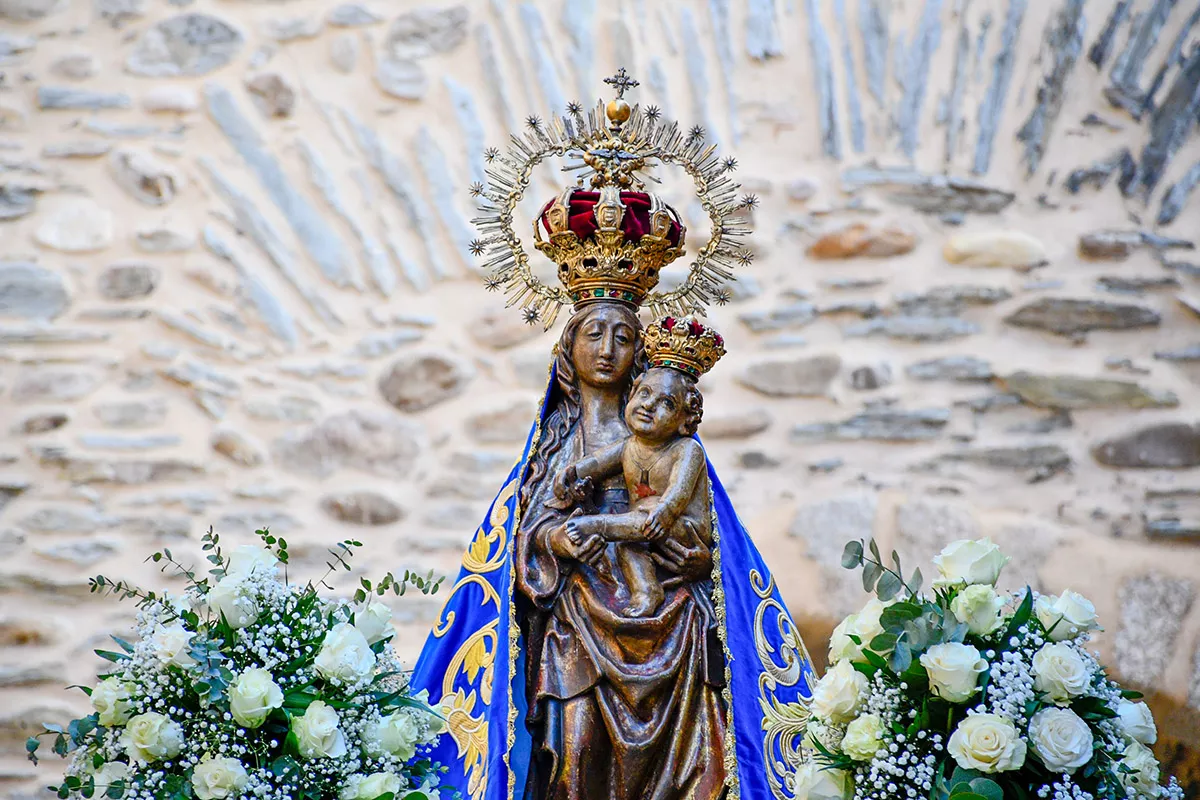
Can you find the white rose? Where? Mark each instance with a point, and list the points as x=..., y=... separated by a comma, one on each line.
x=1066, y=616
x=988, y=743
x=969, y=562
x=837, y=696
x=345, y=655
x=219, y=778
x=815, y=783
x=250, y=558
x=109, y=773
x=862, y=738
x=252, y=695
x=867, y=623
x=841, y=647
x=171, y=645
x=1144, y=773
x=954, y=670
x=374, y=622
x=151, y=737
x=232, y=598
x=1061, y=739
x=377, y=784
x=1059, y=671
x=978, y=607
x=1137, y=722
x=110, y=699
x=318, y=732
x=396, y=734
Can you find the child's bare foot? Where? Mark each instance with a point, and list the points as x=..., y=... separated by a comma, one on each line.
x=580, y=527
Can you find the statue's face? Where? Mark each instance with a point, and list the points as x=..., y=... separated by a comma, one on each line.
x=604, y=347
x=657, y=407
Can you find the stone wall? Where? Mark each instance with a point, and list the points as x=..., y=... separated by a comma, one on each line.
x=235, y=290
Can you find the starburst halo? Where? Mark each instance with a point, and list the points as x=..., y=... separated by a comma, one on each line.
x=613, y=144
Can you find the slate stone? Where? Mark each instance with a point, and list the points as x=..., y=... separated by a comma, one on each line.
x=272, y=95
x=370, y=441
x=16, y=202
x=1041, y=458
x=500, y=329
x=1172, y=515
x=1186, y=354
x=237, y=447
x=68, y=98
x=861, y=240
x=870, y=377
x=83, y=553
x=163, y=239
x=507, y=424
x=929, y=193
x=402, y=78
x=1072, y=317
x=145, y=177
x=424, y=32
x=42, y=423
x=126, y=414
x=343, y=52
x=947, y=300
x=291, y=29
x=128, y=281
x=418, y=381
x=1153, y=607
x=797, y=377
x=1109, y=245
x=123, y=472
x=795, y=315
x=362, y=508
x=352, y=15
x=76, y=66
x=825, y=526
x=914, y=328
x=46, y=384
x=30, y=10
x=735, y=425
x=88, y=148
x=28, y=291
x=1172, y=445
x=246, y=522
x=880, y=424
x=1072, y=392
x=951, y=368
x=1136, y=286
x=185, y=45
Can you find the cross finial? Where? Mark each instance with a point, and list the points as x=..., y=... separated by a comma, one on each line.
x=621, y=81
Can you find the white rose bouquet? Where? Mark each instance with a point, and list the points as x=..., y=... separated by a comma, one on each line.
x=247, y=685
x=967, y=694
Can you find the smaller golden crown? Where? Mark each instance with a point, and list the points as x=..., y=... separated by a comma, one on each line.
x=627, y=238
x=683, y=344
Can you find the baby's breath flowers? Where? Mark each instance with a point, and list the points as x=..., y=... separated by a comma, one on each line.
x=248, y=686
x=970, y=693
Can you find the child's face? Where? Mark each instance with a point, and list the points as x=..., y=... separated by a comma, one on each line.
x=657, y=410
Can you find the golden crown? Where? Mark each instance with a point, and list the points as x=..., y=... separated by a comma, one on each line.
x=610, y=240
x=683, y=344
x=627, y=238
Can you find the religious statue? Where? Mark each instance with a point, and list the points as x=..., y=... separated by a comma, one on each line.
x=613, y=632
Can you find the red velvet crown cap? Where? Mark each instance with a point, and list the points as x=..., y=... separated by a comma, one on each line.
x=635, y=224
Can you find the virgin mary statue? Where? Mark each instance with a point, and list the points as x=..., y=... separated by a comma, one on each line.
x=550, y=690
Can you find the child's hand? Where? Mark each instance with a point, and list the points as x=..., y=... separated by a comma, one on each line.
x=659, y=522
x=564, y=482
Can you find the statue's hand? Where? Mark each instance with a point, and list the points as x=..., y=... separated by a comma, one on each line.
x=658, y=523
x=564, y=544
x=690, y=562
x=570, y=490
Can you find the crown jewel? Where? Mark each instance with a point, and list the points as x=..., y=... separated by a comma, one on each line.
x=611, y=239
x=683, y=344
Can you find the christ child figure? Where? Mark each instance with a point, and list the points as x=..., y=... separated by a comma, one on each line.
x=664, y=467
